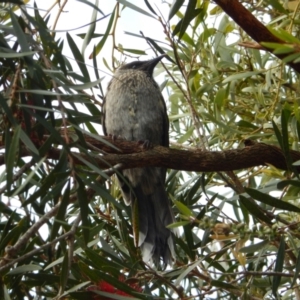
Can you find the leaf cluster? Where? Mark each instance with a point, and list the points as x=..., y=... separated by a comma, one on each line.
x=65, y=231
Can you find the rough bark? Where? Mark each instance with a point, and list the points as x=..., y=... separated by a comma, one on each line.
x=132, y=155
x=254, y=154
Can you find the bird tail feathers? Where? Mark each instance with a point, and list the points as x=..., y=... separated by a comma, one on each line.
x=151, y=214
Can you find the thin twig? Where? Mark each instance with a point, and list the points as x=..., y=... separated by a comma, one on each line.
x=70, y=251
x=12, y=251
x=35, y=251
x=26, y=167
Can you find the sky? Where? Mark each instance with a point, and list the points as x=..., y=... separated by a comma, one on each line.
x=76, y=14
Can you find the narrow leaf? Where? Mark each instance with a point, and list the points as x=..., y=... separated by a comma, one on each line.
x=29, y=177
x=136, y=8
x=278, y=266
x=222, y=284
x=297, y=270
x=103, y=40
x=239, y=76
x=174, y=8
x=254, y=248
x=150, y=7
x=91, y=30
x=84, y=210
x=273, y=202
x=60, y=216
x=16, y=55
x=254, y=209
x=64, y=273
x=282, y=184
x=22, y=40
x=78, y=58
x=25, y=268
x=11, y=156
x=183, y=209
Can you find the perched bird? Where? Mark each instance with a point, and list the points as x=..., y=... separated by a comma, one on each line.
x=134, y=109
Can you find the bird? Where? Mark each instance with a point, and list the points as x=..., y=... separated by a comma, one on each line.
x=134, y=109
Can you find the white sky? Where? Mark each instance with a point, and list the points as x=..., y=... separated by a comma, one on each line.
x=77, y=14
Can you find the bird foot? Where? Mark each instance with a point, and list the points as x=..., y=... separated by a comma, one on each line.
x=145, y=144
x=115, y=137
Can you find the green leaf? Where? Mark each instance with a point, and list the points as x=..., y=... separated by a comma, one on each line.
x=12, y=235
x=184, y=209
x=64, y=273
x=191, y=13
x=178, y=224
x=115, y=282
x=278, y=134
x=271, y=45
x=246, y=124
x=87, y=2
x=269, y=200
x=48, y=40
x=254, y=248
x=60, y=216
x=50, y=180
x=254, y=209
x=239, y=76
x=285, y=116
x=284, y=35
x=78, y=58
x=284, y=49
x=22, y=39
x=102, y=261
x=133, y=7
x=282, y=184
x=106, y=34
x=28, y=143
x=84, y=210
x=16, y=55
x=24, y=269
x=75, y=288
x=18, y=2
x=222, y=284
x=174, y=8
x=156, y=46
x=28, y=177
x=297, y=270
x=91, y=30
x=277, y=6
x=86, y=85
x=135, y=51
x=220, y=98
x=278, y=266
x=150, y=7
x=11, y=156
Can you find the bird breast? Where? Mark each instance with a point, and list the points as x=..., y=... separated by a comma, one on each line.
x=134, y=107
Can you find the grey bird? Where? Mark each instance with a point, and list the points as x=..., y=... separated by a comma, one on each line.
x=134, y=109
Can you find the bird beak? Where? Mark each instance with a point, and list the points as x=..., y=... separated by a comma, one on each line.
x=151, y=64
x=156, y=60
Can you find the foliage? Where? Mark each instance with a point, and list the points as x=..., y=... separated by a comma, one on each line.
x=65, y=231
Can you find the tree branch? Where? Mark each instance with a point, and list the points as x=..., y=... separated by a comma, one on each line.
x=252, y=26
x=133, y=156
x=127, y=155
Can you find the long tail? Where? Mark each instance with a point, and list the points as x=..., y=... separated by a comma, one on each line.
x=153, y=213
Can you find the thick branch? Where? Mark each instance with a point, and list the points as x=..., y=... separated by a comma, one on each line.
x=195, y=160
x=252, y=26
x=128, y=154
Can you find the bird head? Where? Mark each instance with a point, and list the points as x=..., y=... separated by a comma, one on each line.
x=146, y=66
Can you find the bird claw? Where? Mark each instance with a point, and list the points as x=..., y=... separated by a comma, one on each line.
x=145, y=144
x=114, y=137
